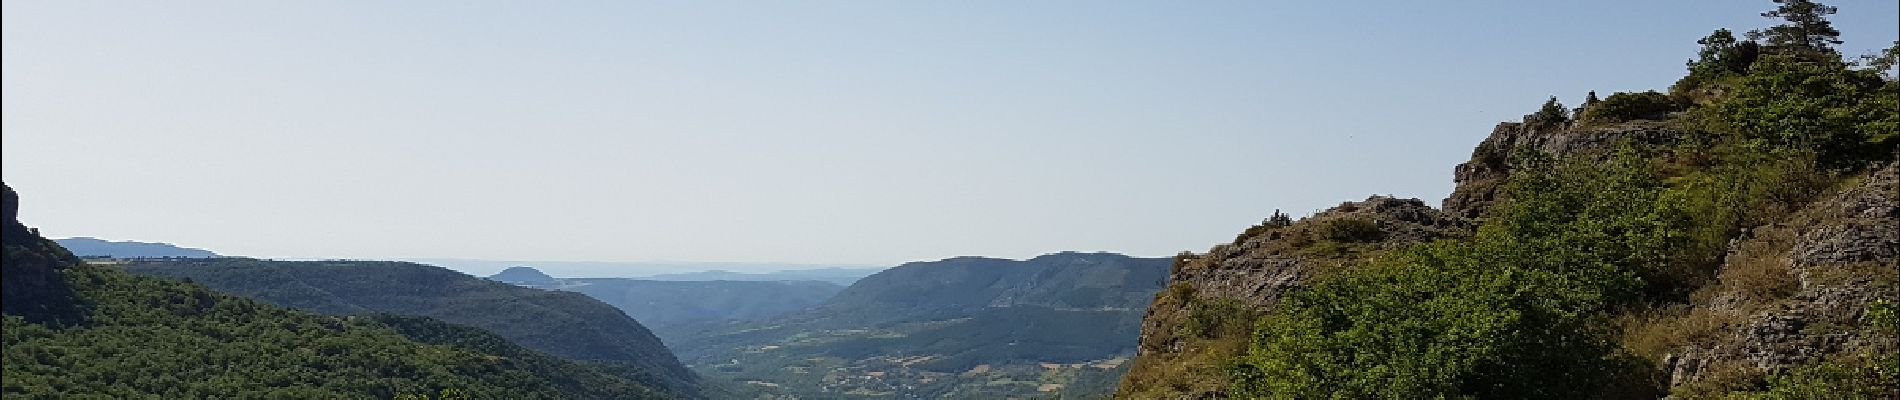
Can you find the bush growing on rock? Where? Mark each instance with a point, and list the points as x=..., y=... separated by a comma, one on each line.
x=1627, y=106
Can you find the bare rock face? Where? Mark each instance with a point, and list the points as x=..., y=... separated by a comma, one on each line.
x=1840, y=246
x=1865, y=225
x=1477, y=180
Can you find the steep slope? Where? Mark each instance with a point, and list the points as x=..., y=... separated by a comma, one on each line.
x=568, y=325
x=1736, y=237
x=1792, y=293
x=93, y=247
x=123, y=336
x=1205, y=317
x=33, y=288
x=966, y=327
x=1476, y=183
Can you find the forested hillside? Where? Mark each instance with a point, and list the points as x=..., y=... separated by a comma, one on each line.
x=969, y=327
x=564, y=324
x=1735, y=237
x=91, y=331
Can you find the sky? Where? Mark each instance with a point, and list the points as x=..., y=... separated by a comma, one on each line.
x=817, y=132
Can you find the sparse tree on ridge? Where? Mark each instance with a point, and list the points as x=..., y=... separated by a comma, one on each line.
x=1552, y=114
x=1806, y=33
x=1722, y=54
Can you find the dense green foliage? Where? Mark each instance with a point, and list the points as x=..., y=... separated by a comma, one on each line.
x=1492, y=317
x=73, y=330
x=1551, y=115
x=1846, y=116
x=577, y=379
x=564, y=324
x=1721, y=56
x=1627, y=106
x=1352, y=230
x=153, y=337
x=32, y=287
x=1528, y=307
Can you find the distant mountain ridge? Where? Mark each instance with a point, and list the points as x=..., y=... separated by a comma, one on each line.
x=525, y=276
x=92, y=331
x=660, y=304
x=660, y=270
x=960, y=328
x=839, y=275
x=1066, y=280
x=95, y=247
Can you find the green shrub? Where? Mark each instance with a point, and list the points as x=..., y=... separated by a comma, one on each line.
x=1353, y=230
x=1519, y=311
x=1845, y=116
x=1275, y=222
x=1627, y=106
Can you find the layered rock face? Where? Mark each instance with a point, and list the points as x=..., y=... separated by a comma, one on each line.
x=1179, y=355
x=1837, y=255
x=1258, y=270
x=1477, y=180
x=1179, y=358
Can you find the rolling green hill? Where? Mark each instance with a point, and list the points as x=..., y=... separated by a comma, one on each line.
x=969, y=327
x=73, y=330
x=569, y=325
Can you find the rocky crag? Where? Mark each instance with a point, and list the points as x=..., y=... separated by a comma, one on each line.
x=1838, y=254
x=1787, y=291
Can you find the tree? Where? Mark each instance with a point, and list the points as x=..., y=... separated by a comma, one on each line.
x=1884, y=61
x=1627, y=106
x=1844, y=115
x=1551, y=115
x=1806, y=32
x=1722, y=54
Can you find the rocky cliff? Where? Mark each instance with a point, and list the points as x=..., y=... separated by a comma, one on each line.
x=1204, y=316
x=1476, y=181
x=1789, y=293
x=1837, y=255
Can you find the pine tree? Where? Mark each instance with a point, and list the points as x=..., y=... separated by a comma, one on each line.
x=1806, y=33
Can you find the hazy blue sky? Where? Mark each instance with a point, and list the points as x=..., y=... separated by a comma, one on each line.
x=870, y=132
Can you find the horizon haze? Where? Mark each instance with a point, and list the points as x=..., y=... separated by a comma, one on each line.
x=782, y=133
